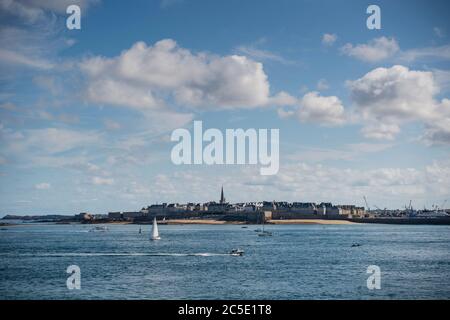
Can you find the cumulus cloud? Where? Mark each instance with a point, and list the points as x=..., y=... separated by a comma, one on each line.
x=324, y=110
x=375, y=50
x=314, y=108
x=329, y=39
x=437, y=129
x=146, y=77
x=388, y=97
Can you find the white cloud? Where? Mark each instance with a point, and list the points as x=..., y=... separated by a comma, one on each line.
x=329, y=39
x=283, y=99
x=299, y=181
x=284, y=114
x=384, y=48
x=395, y=93
x=426, y=54
x=48, y=140
x=437, y=128
x=389, y=97
x=322, y=84
x=262, y=55
x=375, y=50
x=324, y=110
x=142, y=77
x=16, y=58
x=102, y=181
x=349, y=152
x=33, y=11
x=381, y=131
x=42, y=186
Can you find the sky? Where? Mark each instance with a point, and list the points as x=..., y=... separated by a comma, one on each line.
x=86, y=115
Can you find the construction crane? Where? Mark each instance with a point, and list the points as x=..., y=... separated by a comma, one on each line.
x=367, y=205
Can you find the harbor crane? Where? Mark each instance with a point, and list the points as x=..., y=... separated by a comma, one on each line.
x=367, y=205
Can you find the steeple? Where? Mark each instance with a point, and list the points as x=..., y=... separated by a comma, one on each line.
x=222, y=198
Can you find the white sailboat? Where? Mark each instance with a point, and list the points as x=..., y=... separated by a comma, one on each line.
x=155, y=233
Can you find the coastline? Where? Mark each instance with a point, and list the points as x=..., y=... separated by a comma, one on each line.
x=201, y=221
x=311, y=221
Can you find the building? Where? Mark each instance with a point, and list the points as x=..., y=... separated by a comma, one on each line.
x=115, y=215
x=173, y=208
x=131, y=215
x=157, y=209
x=304, y=208
x=214, y=207
x=268, y=206
x=350, y=210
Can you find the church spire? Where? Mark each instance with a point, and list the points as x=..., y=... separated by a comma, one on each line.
x=222, y=198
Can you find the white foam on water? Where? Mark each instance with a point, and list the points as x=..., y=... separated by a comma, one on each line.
x=119, y=254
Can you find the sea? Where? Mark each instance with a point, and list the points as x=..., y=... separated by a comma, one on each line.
x=193, y=262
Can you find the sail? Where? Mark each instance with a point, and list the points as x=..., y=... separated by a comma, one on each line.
x=155, y=233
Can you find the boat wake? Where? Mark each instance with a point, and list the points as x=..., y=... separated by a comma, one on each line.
x=122, y=254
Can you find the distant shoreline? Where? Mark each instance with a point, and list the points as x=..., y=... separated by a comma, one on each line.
x=310, y=221
x=199, y=222
x=215, y=221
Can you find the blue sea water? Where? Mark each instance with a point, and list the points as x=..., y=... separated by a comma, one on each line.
x=191, y=262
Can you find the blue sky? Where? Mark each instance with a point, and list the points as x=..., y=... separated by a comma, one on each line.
x=86, y=115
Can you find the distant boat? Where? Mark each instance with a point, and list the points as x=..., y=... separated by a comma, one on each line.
x=155, y=233
x=264, y=233
x=237, y=252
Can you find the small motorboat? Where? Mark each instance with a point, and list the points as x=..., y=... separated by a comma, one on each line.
x=237, y=252
x=356, y=245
